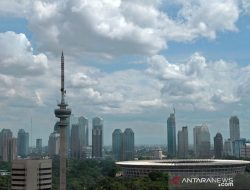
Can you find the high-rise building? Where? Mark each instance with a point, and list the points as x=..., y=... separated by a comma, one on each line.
x=218, y=145
x=201, y=141
x=13, y=149
x=245, y=151
x=22, y=143
x=171, y=131
x=228, y=147
x=7, y=145
x=39, y=146
x=117, y=144
x=84, y=131
x=75, y=141
x=237, y=146
x=97, y=137
x=234, y=126
x=128, y=144
x=54, y=144
x=31, y=174
x=183, y=143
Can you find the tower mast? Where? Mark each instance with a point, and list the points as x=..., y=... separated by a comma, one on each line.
x=62, y=113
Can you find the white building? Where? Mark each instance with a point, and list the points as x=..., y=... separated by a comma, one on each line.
x=201, y=141
x=245, y=151
x=183, y=142
x=234, y=127
x=54, y=144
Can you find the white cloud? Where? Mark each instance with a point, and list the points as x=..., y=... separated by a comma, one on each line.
x=205, y=18
x=111, y=28
x=17, y=57
x=197, y=84
x=245, y=4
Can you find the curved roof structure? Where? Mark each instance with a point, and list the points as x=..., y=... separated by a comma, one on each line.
x=185, y=167
x=184, y=162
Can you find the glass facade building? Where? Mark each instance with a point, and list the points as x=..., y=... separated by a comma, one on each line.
x=22, y=143
x=97, y=137
x=171, y=134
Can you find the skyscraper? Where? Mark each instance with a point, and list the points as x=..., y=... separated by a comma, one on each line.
x=75, y=141
x=22, y=143
x=54, y=144
x=13, y=149
x=237, y=146
x=183, y=143
x=171, y=131
x=218, y=145
x=201, y=141
x=117, y=144
x=128, y=144
x=7, y=145
x=97, y=137
x=39, y=146
x=228, y=147
x=84, y=131
x=63, y=114
x=234, y=126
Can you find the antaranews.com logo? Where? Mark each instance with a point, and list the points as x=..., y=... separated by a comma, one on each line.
x=221, y=182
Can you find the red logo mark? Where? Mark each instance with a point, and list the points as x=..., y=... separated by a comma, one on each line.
x=176, y=180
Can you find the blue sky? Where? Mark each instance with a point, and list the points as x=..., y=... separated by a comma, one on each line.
x=127, y=61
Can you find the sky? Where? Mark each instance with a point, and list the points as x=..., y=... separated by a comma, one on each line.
x=129, y=62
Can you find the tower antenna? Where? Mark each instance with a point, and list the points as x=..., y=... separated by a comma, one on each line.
x=62, y=113
x=31, y=125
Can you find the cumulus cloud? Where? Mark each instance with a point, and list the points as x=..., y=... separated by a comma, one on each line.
x=198, y=83
x=245, y=5
x=205, y=18
x=125, y=91
x=20, y=71
x=17, y=57
x=111, y=28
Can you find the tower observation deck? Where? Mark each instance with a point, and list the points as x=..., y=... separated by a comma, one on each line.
x=62, y=113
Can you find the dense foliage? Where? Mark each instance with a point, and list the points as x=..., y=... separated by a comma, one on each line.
x=100, y=175
x=4, y=180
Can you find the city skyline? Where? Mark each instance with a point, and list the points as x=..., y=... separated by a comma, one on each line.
x=125, y=66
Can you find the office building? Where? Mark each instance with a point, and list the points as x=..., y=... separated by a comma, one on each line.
x=117, y=144
x=218, y=145
x=87, y=152
x=234, y=127
x=201, y=141
x=22, y=143
x=84, y=131
x=75, y=141
x=228, y=147
x=123, y=144
x=8, y=149
x=68, y=130
x=39, y=146
x=237, y=145
x=13, y=149
x=183, y=143
x=97, y=137
x=128, y=144
x=54, y=144
x=171, y=134
x=245, y=151
x=31, y=174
